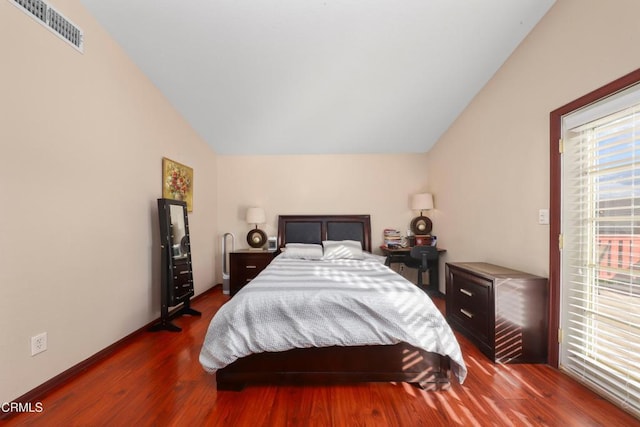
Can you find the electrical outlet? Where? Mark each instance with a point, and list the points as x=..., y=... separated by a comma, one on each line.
x=38, y=343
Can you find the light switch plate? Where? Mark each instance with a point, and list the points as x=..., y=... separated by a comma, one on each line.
x=543, y=216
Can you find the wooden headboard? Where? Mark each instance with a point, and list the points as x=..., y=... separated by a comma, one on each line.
x=316, y=228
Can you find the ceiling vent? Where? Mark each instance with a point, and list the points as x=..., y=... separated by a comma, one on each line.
x=53, y=20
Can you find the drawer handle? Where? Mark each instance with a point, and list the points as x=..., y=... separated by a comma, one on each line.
x=250, y=266
x=466, y=313
x=466, y=292
x=185, y=272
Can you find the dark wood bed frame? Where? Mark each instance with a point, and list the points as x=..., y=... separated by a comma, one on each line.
x=330, y=365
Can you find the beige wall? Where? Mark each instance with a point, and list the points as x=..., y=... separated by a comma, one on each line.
x=82, y=138
x=379, y=185
x=490, y=171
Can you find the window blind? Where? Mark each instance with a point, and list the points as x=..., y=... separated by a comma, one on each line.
x=600, y=290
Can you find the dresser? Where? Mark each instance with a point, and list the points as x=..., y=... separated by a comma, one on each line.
x=504, y=312
x=244, y=265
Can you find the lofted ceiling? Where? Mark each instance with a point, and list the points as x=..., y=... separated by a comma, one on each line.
x=319, y=76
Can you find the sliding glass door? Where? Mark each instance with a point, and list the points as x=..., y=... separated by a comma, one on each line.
x=599, y=332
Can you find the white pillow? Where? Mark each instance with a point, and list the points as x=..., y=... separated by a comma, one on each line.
x=302, y=251
x=342, y=249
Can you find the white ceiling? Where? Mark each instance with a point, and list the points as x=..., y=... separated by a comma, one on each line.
x=319, y=76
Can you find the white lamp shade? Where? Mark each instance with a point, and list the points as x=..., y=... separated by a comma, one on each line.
x=422, y=201
x=256, y=216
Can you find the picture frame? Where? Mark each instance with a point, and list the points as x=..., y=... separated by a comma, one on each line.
x=177, y=182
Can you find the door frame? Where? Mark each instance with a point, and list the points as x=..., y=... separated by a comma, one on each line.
x=555, y=200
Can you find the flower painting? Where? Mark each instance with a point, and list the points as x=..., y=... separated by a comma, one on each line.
x=177, y=182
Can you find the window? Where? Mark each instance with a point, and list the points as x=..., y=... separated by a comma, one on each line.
x=600, y=257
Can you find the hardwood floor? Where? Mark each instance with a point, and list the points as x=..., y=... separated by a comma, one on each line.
x=156, y=380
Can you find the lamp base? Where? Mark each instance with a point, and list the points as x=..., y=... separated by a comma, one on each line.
x=421, y=225
x=256, y=238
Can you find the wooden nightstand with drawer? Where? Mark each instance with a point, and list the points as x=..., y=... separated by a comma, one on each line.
x=502, y=311
x=245, y=265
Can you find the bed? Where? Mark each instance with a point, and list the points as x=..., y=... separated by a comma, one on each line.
x=337, y=318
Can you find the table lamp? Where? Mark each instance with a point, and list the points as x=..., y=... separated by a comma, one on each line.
x=421, y=225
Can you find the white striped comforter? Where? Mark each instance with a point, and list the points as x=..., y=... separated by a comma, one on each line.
x=296, y=303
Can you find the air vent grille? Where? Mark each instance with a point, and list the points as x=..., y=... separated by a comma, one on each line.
x=37, y=8
x=53, y=20
x=66, y=29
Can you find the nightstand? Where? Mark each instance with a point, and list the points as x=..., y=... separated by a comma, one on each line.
x=245, y=265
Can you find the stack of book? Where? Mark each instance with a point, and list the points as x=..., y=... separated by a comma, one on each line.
x=392, y=238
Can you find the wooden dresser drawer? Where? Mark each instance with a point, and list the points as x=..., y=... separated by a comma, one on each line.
x=475, y=321
x=469, y=303
x=471, y=292
x=245, y=266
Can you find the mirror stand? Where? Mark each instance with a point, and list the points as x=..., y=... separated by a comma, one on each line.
x=177, y=275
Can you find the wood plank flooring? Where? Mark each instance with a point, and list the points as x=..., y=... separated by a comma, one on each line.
x=156, y=380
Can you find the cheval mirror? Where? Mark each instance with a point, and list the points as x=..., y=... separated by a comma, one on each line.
x=177, y=275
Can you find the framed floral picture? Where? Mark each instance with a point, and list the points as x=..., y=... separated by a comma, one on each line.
x=177, y=182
